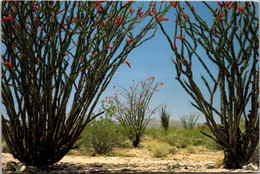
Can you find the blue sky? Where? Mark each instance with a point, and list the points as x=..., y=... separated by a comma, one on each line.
x=153, y=58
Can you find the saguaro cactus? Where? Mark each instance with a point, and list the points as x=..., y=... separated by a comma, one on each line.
x=59, y=57
x=231, y=45
x=134, y=113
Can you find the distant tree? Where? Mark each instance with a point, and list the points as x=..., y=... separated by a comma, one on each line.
x=231, y=44
x=134, y=113
x=165, y=118
x=57, y=52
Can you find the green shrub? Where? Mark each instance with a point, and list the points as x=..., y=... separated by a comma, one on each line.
x=160, y=151
x=171, y=139
x=154, y=133
x=184, y=142
x=165, y=118
x=172, y=150
x=189, y=121
x=103, y=135
x=190, y=150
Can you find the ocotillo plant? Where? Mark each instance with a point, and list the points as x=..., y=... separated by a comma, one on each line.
x=58, y=57
x=165, y=118
x=189, y=121
x=231, y=44
x=134, y=113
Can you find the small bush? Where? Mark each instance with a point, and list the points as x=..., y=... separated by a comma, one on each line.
x=171, y=139
x=184, y=142
x=218, y=163
x=189, y=122
x=160, y=151
x=103, y=135
x=190, y=150
x=172, y=150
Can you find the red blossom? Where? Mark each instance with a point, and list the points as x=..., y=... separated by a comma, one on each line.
x=221, y=5
x=184, y=15
x=227, y=3
x=174, y=47
x=7, y=18
x=125, y=4
x=130, y=40
x=214, y=29
x=219, y=19
x=99, y=10
x=174, y=4
x=108, y=46
x=159, y=18
x=8, y=64
x=140, y=13
x=118, y=22
x=36, y=3
x=179, y=37
x=161, y=83
x=98, y=2
x=222, y=15
x=60, y=12
x=128, y=64
x=131, y=11
x=229, y=7
x=240, y=8
x=192, y=8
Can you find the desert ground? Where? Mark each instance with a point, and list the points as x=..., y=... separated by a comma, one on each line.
x=140, y=163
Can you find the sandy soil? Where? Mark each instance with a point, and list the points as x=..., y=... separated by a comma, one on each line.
x=202, y=162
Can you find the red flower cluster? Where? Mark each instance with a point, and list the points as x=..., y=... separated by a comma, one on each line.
x=159, y=18
x=131, y=11
x=108, y=46
x=174, y=4
x=140, y=13
x=179, y=37
x=7, y=18
x=184, y=15
x=8, y=64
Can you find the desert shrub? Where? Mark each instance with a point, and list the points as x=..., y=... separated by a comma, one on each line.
x=189, y=121
x=184, y=142
x=172, y=150
x=154, y=133
x=171, y=139
x=160, y=151
x=103, y=135
x=165, y=118
x=134, y=113
x=190, y=150
x=211, y=145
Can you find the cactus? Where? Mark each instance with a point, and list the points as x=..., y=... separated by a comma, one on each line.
x=231, y=44
x=58, y=59
x=134, y=114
